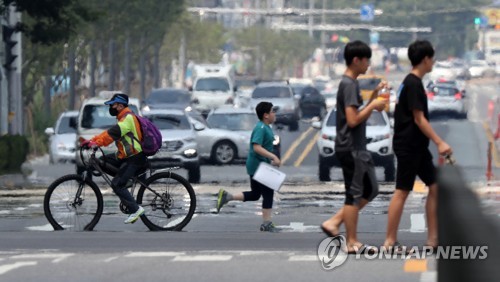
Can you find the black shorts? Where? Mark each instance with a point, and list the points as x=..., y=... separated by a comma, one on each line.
x=412, y=165
x=347, y=163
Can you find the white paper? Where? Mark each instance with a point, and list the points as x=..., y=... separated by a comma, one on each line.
x=270, y=176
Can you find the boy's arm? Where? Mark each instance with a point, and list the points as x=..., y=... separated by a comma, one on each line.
x=257, y=148
x=354, y=118
x=426, y=128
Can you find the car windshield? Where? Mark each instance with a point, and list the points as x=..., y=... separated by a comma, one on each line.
x=234, y=122
x=97, y=116
x=444, y=91
x=297, y=88
x=212, y=84
x=65, y=125
x=170, y=121
x=271, y=92
x=368, y=83
x=375, y=119
x=168, y=97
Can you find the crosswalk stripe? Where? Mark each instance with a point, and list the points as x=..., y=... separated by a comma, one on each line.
x=8, y=267
x=203, y=258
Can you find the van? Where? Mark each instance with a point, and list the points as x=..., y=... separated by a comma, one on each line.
x=94, y=118
x=213, y=87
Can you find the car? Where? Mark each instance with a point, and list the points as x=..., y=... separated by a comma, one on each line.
x=179, y=148
x=330, y=98
x=481, y=68
x=62, y=138
x=226, y=136
x=312, y=103
x=94, y=118
x=282, y=97
x=443, y=98
x=167, y=98
x=367, y=83
x=443, y=69
x=379, y=143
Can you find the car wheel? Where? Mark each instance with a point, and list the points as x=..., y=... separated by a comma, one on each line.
x=194, y=174
x=294, y=126
x=223, y=152
x=324, y=169
x=389, y=169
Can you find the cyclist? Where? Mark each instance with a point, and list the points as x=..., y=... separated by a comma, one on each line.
x=129, y=159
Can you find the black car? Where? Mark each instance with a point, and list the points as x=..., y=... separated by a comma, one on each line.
x=167, y=98
x=312, y=103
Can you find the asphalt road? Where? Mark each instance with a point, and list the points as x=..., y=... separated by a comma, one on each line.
x=228, y=246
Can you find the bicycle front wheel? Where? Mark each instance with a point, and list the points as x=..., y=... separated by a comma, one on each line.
x=169, y=202
x=72, y=203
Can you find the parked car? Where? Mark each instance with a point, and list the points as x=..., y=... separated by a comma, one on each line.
x=282, y=97
x=179, y=148
x=226, y=136
x=312, y=103
x=167, y=98
x=446, y=99
x=62, y=138
x=94, y=118
x=379, y=143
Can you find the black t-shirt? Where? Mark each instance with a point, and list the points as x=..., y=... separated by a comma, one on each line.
x=349, y=139
x=408, y=138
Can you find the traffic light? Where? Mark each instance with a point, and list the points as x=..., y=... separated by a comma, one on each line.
x=477, y=20
x=10, y=56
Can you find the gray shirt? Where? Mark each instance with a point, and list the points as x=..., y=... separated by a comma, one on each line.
x=349, y=139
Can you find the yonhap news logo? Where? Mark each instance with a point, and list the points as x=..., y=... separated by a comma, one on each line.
x=331, y=252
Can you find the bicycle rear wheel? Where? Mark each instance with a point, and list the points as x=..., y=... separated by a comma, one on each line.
x=65, y=210
x=169, y=202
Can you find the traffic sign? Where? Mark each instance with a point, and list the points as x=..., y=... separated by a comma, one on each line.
x=367, y=12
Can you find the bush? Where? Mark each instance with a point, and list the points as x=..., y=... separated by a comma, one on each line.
x=14, y=148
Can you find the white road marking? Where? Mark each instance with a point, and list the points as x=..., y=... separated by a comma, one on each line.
x=203, y=258
x=417, y=223
x=429, y=276
x=8, y=267
x=154, y=254
x=303, y=258
x=4, y=212
x=46, y=227
x=56, y=257
x=110, y=259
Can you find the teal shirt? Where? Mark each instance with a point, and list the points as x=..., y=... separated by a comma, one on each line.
x=263, y=135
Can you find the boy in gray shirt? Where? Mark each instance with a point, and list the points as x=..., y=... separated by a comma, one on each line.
x=350, y=146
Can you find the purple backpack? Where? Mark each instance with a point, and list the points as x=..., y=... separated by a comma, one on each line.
x=151, y=136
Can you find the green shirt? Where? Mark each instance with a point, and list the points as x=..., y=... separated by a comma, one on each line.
x=263, y=135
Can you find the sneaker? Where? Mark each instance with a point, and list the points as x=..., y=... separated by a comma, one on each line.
x=269, y=227
x=135, y=216
x=221, y=199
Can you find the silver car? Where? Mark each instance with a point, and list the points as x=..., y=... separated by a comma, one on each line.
x=179, y=146
x=62, y=138
x=446, y=99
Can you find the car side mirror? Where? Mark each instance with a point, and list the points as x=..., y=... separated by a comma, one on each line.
x=49, y=131
x=198, y=126
x=316, y=124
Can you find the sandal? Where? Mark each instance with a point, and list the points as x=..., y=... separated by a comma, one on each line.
x=363, y=249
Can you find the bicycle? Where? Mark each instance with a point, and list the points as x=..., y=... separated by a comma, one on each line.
x=75, y=202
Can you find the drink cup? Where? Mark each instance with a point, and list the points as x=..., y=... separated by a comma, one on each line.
x=384, y=94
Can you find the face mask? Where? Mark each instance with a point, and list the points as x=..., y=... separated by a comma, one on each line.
x=113, y=111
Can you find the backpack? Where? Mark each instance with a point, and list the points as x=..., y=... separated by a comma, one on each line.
x=151, y=136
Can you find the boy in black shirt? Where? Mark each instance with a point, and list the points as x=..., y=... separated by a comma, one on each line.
x=350, y=146
x=412, y=132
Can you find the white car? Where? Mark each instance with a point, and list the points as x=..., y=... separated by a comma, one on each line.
x=379, y=143
x=480, y=68
x=444, y=98
x=62, y=139
x=179, y=148
x=443, y=69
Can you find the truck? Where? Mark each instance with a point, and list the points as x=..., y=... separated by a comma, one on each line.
x=489, y=41
x=213, y=86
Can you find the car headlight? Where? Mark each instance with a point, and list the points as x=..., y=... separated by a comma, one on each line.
x=276, y=140
x=328, y=137
x=190, y=153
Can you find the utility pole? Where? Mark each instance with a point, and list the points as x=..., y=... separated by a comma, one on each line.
x=310, y=22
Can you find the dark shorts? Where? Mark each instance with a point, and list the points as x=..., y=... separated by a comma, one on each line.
x=412, y=165
x=347, y=163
